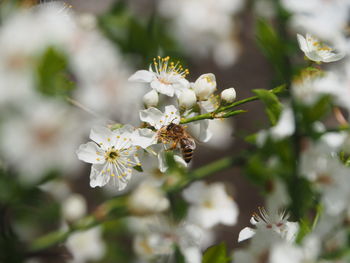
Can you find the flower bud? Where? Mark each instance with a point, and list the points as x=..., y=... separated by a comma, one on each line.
x=204, y=86
x=147, y=199
x=151, y=99
x=228, y=95
x=74, y=207
x=187, y=99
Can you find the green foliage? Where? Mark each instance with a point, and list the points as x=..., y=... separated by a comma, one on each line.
x=274, y=48
x=302, y=196
x=217, y=254
x=273, y=106
x=178, y=206
x=133, y=36
x=179, y=257
x=53, y=77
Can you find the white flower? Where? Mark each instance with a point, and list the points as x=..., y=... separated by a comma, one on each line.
x=40, y=138
x=187, y=99
x=320, y=164
x=164, y=77
x=205, y=86
x=74, y=207
x=112, y=156
x=228, y=95
x=151, y=99
x=86, y=246
x=147, y=198
x=274, y=221
x=289, y=253
x=160, y=120
x=285, y=126
x=204, y=39
x=309, y=88
x=317, y=51
x=210, y=205
x=161, y=235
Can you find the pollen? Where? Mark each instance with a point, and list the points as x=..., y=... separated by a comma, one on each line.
x=162, y=66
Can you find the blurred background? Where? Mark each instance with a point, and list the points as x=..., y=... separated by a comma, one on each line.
x=59, y=77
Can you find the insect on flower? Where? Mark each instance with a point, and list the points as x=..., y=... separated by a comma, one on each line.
x=177, y=135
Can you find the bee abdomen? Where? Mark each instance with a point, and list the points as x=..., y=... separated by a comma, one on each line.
x=187, y=154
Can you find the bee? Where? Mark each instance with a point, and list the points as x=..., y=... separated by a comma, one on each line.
x=177, y=135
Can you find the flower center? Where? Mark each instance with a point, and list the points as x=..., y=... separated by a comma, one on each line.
x=163, y=68
x=111, y=155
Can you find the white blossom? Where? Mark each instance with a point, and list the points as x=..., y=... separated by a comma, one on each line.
x=274, y=221
x=147, y=198
x=205, y=39
x=151, y=99
x=205, y=86
x=187, y=99
x=161, y=235
x=165, y=77
x=112, y=156
x=74, y=207
x=86, y=245
x=329, y=176
x=228, y=95
x=41, y=138
x=159, y=120
x=317, y=51
x=210, y=205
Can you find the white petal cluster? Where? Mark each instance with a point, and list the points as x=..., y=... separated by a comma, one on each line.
x=86, y=245
x=216, y=37
x=317, y=51
x=112, y=155
x=273, y=222
x=147, y=198
x=210, y=205
x=160, y=235
x=164, y=77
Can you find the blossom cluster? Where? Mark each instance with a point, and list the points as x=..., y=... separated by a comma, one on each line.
x=147, y=126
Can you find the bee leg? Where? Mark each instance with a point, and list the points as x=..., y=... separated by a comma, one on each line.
x=173, y=146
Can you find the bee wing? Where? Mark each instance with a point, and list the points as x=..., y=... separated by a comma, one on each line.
x=188, y=143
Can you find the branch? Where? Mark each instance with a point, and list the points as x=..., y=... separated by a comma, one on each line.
x=219, y=113
x=117, y=207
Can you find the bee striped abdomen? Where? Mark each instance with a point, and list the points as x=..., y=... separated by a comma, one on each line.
x=187, y=154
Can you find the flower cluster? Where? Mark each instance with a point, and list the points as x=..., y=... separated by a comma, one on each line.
x=115, y=154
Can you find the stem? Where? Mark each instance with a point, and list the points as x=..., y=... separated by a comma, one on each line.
x=207, y=170
x=216, y=115
x=211, y=115
x=117, y=207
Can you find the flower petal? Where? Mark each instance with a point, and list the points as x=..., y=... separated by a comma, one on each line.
x=166, y=89
x=90, y=153
x=151, y=116
x=302, y=43
x=245, y=234
x=142, y=76
x=97, y=176
x=199, y=130
x=144, y=138
x=103, y=136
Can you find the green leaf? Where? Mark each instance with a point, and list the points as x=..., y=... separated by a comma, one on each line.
x=216, y=254
x=178, y=206
x=273, y=106
x=179, y=257
x=274, y=48
x=53, y=75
